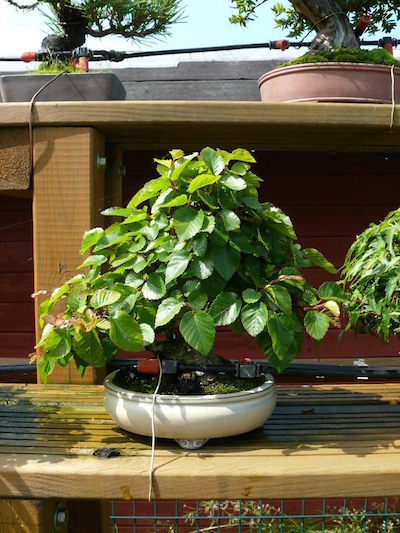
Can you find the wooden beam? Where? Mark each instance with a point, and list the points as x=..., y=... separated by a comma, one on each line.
x=14, y=159
x=67, y=200
x=30, y=516
x=258, y=125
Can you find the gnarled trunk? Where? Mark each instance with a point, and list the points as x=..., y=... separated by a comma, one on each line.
x=331, y=23
x=73, y=24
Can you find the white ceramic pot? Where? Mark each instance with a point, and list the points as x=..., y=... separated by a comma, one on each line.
x=191, y=420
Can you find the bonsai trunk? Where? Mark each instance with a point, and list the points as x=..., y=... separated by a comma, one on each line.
x=331, y=23
x=73, y=24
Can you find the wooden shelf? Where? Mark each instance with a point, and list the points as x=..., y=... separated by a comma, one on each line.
x=322, y=441
x=189, y=124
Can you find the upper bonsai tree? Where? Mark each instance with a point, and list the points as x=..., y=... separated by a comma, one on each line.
x=372, y=276
x=75, y=19
x=194, y=249
x=333, y=21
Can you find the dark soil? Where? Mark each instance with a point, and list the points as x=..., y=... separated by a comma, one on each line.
x=188, y=383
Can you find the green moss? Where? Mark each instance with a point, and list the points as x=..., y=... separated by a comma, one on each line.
x=379, y=56
x=56, y=67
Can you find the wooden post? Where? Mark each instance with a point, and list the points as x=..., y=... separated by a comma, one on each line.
x=67, y=199
x=68, y=195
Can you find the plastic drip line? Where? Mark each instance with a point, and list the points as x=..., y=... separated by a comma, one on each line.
x=153, y=433
x=393, y=97
x=31, y=122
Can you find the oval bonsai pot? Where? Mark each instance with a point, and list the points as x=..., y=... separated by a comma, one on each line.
x=331, y=82
x=190, y=420
x=68, y=87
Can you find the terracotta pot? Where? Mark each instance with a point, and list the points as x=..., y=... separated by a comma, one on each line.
x=331, y=82
x=69, y=87
x=190, y=420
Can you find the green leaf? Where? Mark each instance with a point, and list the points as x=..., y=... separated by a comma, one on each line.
x=166, y=311
x=226, y=261
x=154, y=288
x=252, y=202
x=176, y=202
x=104, y=297
x=208, y=224
x=197, y=299
x=45, y=368
x=139, y=264
x=225, y=308
x=213, y=160
x=93, y=260
x=200, y=244
x=254, y=318
x=117, y=212
x=134, y=280
x=76, y=298
x=318, y=259
x=250, y=296
x=57, y=343
x=111, y=238
x=281, y=298
x=150, y=190
x=176, y=265
x=317, y=324
x=198, y=330
x=187, y=222
x=202, y=181
x=180, y=168
x=278, y=362
x=282, y=332
x=148, y=333
x=137, y=217
x=233, y=182
x=331, y=291
x=125, y=332
x=202, y=268
x=230, y=219
x=87, y=346
x=240, y=154
x=90, y=238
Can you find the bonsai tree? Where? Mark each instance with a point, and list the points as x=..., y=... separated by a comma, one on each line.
x=75, y=19
x=194, y=249
x=372, y=276
x=333, y=20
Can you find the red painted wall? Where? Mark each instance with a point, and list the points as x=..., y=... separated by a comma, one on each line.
x=330, y=198
x=16, y=277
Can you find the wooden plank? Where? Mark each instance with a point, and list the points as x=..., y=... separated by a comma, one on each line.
x=16, y=287
x=68, y=196
x=14, y=159
x=31, y=516
x=261, y=125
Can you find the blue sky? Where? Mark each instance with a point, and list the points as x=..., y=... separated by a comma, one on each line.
x=206, y=24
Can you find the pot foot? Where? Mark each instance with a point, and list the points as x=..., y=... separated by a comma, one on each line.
x=191, y=444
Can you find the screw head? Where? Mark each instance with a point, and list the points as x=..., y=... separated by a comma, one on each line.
x=101, y=161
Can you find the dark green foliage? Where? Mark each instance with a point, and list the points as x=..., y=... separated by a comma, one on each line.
x=384, y=15
x=193, y=250
x=372, y=277
x=378, y=56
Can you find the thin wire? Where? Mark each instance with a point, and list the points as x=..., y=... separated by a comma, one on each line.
x=31, y=121
x=153, y=435
x=319, y=22
x=393, y=97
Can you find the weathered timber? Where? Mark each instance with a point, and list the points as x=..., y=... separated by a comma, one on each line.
x=14, y=159
x=68, y=198
x=321, y=441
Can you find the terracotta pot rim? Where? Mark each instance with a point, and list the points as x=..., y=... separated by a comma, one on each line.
x=333, y=65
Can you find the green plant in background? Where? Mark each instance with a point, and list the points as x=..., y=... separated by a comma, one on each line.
x=333, y=20
x=254, y=517
x=372, y=276
x=194, y=249
x=347, y=55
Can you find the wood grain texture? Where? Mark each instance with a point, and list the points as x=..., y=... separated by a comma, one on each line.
x=68, y=198
x=27, y=516
x=259, y=125
x=321, y=441
x=14, y=159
